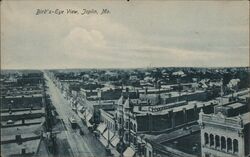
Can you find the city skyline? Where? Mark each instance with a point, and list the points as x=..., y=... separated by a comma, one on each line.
x=132, y=35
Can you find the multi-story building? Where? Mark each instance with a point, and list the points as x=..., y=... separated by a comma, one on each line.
x=226, y=131
x=23, y=115
x=134, y=117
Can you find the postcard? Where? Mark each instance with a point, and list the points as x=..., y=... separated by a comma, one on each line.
x=128, y=78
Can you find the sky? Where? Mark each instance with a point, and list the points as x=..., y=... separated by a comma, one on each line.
x=134, y=34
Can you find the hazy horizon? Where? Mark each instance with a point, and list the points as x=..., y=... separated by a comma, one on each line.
x=134, y=35
x=121, y=68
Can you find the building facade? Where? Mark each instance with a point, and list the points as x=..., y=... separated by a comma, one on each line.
x=223, y=135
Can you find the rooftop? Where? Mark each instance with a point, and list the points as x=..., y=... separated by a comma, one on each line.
x=23, y=112
x=15, y=149
x=189, y=144
x=111, y=112
x=190, y=105
x=246, y=118
x=235, y=105
x=25, y=130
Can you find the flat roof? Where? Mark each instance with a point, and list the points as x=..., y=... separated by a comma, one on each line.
x=236, y=105
x=14, y=113
x=14, y=148
x=190, y=105
x=25, y=96
x=173, y=94
x=246, y=118
x=172, y=135
x=25, y=131
x=189, y=144
x=27, y=121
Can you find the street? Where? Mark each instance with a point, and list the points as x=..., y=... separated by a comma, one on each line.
x=81, y=145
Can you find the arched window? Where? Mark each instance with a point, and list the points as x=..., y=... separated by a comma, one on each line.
x=211, y=140
x=223, y=142
x=127, y=125
x=131, y=126
x=235, y=146
x=206, y=138
x=229, y=144
x=217, y=141
x=126, y=137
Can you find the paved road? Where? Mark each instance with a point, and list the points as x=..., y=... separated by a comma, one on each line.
x=84, y=146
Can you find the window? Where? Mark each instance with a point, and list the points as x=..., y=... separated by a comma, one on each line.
x=223, y=143
x=149, y=153
x=206, y=138
x=207, y=155
x=127, y=126
x=135, y=141
x=217, y=141
x=211, y=140
x=229, y=144
x=131, y=126
x=120, y=132
x=126, y=137
x=235, y=146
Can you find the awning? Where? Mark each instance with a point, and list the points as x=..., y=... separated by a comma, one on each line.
x=115, y=141
x=105, y=134
x=89, y=116
x=88, y=124
x=81, y=115
x=108, y=134
x=111, y=135
x=80, y=108
x=129, y=152
x=101, y=127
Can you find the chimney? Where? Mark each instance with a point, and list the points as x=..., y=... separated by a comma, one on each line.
x=23, y=151
x=10, y=107
x=126, y=90
x=19, y=139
